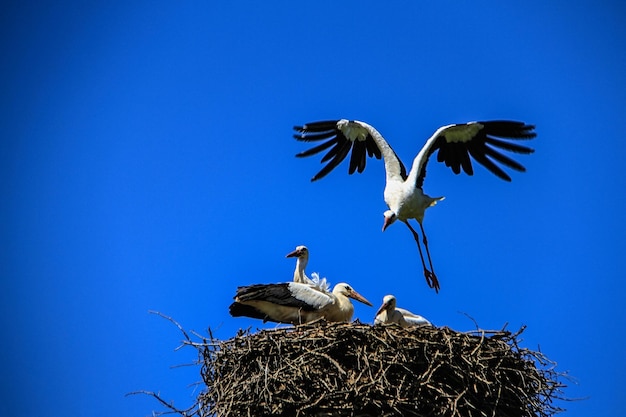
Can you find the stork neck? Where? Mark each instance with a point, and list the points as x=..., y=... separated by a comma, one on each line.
x=298, y=274
x=344, y=303
x=346, y=306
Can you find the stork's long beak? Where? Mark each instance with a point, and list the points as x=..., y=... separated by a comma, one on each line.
x=386, y=223
x=355, y=295
x=381, y=309
x=293, y=254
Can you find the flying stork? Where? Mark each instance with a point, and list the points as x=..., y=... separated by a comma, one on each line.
x=403, y=193
x=295, y=303
x=389, y=313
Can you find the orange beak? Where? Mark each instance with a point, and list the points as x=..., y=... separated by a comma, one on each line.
x=381, y=309
x=355, y=295
x=386, y=223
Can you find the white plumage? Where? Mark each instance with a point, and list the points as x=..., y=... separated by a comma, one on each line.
x=403, y=194
x=389, y=313
x=319, y=283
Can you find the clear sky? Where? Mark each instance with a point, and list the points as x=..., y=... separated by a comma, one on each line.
x=147, y=163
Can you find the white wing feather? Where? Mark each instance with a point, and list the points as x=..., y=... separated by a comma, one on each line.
x=311, y=295
x=320, y=283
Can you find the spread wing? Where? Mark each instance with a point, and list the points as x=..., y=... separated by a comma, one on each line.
x=484, y=142
x=340, y=136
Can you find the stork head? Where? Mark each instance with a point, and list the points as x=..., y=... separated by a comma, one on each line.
x=348, y=291
x=301, y=252
x=389, y=303
x=390, y=217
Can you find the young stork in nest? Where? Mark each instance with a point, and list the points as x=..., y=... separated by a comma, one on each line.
x=295, y=303
x=302, y=254
x=389, y=313
x=299, y=275
x=403, y=191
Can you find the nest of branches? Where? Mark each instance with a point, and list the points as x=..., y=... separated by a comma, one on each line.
x=354, y=369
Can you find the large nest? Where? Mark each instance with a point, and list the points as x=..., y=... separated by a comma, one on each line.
x=354, y=369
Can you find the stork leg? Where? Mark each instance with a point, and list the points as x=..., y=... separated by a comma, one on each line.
x=430, y=262
x=431, y=278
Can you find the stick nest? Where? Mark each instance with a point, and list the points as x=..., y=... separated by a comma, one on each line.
x=354, y=369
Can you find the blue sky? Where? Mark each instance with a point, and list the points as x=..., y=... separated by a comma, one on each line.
x=147, y=164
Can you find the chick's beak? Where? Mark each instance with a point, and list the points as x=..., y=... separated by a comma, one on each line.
x=381, y=309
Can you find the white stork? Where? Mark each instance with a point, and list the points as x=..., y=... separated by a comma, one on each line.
x=403, y=191
x=302, y=253
x=299, y=275
x=389, y=313
x=295, y=303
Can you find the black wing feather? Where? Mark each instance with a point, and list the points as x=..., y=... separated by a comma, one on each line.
x=466, y=163
x=317, y=149
x=341, y=146
x=481, y=158
x=503, y=159
x=315, y=137
x=273, y=293
x=485, y=148
x=372, y=149
x=357, y=159
x=322, y=126
x=342, y=150
x=459, y=156
x=509, y=146
x=244, y=310
x=509, y=129
x=336, y=150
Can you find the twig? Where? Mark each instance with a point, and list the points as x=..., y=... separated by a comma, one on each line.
x=170, y=406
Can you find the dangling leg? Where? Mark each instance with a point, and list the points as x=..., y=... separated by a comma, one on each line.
x=431, y=278
x=417, y=240
x=430, y=262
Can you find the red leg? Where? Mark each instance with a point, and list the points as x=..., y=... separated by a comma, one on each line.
x=431, y=278
x=430, y=262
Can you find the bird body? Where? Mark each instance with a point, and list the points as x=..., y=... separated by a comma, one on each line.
x=406, y=202
x=388, y=317
x=413, y=319
x=403, y=191
x=389, y=313
x=295, y=303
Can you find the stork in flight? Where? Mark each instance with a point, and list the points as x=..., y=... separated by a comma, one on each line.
x=295, y=303
x=389, y=313
x=455, y=143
